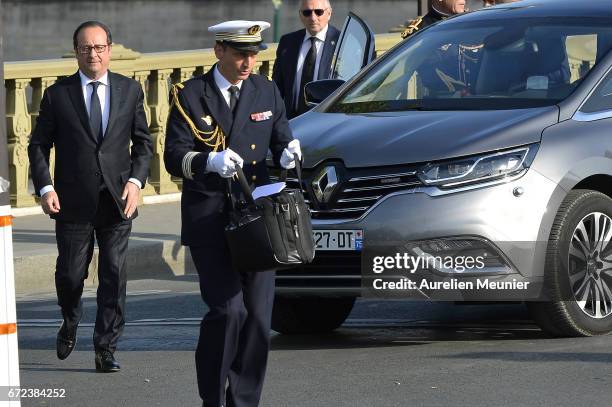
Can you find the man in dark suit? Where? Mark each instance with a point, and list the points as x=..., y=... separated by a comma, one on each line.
x=226, y=118
x=305, y=55
x=90, y=118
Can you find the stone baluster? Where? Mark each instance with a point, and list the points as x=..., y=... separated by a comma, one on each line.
x=200, y=70
x=141, y=77
x=160, y=107
x=257, y=68
x=265, y=69
x=19, y=127
x=182, y=74
x=39, y=85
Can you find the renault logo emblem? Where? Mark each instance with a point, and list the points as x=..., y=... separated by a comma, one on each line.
x=324, y=184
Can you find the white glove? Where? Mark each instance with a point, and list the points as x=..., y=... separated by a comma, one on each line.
x=287, y=161
x=223, y=163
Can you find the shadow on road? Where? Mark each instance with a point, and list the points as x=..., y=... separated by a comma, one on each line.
x=537, y=357
x=348, y=337
x=55, y=369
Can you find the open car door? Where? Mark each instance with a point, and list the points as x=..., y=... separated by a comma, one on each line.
x=355, y=48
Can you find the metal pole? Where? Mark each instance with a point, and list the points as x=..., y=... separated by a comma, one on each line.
x=4, y=170
x=277, y=7
x=423, y=7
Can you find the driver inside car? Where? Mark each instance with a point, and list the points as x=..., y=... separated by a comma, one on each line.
x=454, y=69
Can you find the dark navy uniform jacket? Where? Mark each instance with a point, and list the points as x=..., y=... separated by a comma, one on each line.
x=420, y=23
x=259, y=124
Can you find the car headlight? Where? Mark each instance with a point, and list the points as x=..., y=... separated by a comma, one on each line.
x=479, y=168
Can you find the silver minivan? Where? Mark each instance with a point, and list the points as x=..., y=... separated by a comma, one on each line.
x=490, y=130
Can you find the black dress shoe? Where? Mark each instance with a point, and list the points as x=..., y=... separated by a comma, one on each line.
x=66, y=340
x=105, y=362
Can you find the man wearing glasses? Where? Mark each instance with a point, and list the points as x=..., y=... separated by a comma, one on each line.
x=90, y=118
x=305, y=55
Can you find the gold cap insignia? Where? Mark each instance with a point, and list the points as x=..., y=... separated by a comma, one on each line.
x=254, y=30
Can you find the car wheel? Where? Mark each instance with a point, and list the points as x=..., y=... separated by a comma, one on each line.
x=310, y=314
x=578, y=272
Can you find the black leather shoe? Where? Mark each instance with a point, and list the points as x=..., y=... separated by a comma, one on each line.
x=105, y=362
x=66, y=340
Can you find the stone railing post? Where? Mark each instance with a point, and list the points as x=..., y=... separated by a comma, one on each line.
x=182, y=74
x=160, y=107
x=39, y=85
x=265, y=69
x=19, y=127
x=141, y=77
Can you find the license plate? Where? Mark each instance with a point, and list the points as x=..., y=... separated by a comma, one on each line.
x=333, y=239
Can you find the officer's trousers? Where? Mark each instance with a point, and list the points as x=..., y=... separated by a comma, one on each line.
x=235, y=333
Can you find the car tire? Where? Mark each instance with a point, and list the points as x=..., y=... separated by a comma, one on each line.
x=302, y=315
x=578, y=271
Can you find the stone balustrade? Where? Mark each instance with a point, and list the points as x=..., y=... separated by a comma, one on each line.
x=26, y=82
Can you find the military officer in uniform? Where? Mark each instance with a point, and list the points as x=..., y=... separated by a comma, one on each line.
x=226, y=118
x=452, y=66
x=438, y=10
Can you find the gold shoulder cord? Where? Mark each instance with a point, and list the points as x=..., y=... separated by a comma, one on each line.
x=412, y=27
x=213, y=139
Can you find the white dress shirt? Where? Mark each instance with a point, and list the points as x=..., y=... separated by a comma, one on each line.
x=319, y=42
x=224, y=85
x=104, y=96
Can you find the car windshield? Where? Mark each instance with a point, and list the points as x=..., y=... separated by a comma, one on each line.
x=483, y=65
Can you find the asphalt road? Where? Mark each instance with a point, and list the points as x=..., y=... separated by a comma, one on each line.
x=388, y=353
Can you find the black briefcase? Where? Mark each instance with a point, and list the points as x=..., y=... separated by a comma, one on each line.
x=272, y=232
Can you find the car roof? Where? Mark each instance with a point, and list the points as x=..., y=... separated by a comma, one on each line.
x=542, y=8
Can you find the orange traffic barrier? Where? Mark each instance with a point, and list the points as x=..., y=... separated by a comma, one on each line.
x=6, y=221
x=6, y=329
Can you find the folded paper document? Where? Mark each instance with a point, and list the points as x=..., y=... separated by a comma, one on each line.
x=267, y=190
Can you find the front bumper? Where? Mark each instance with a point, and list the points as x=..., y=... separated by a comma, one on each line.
x=517, y=224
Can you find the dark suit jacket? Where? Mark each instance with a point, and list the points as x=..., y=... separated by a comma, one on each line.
x=63, y=123
x=285, y=65
x=203, y=204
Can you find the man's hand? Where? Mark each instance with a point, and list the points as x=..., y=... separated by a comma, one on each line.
x=50, y=203
x=287, y=160
x=131, y=192
x=224, y=163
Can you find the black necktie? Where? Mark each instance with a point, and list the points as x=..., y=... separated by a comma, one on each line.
x=95, y=113
x=307, y=74
x=233, y=90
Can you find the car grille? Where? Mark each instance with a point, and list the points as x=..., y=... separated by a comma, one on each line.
x=357, y=191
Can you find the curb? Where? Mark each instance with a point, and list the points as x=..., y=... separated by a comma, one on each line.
x=146, y=200
x=160, y=259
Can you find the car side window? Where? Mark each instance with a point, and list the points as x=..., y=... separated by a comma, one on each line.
x=582, y=54
x=601, y=99
x=354, y=50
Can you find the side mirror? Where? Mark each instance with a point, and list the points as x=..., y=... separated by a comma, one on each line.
x=317, y=91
